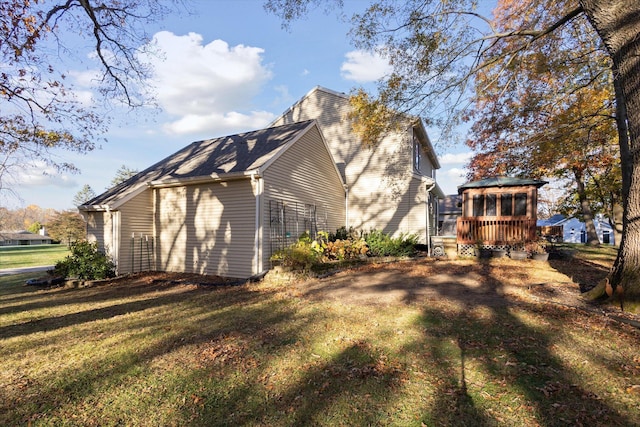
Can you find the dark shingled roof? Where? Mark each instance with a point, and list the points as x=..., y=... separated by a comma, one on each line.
x=501, y=181
x=212, y=157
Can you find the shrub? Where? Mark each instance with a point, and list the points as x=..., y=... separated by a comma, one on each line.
x=343, y=234
x=382, y=244
x=298, y=256
x=306, y=253
x=86, y=262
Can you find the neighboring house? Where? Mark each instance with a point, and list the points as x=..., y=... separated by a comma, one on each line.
x=497, y=212
x=23, y=237
x=574, y=230
x=548, y=229
x=392, y=186
x=223, y=206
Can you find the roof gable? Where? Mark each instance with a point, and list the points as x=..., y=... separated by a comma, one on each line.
x=212, y=158
x=414, y=123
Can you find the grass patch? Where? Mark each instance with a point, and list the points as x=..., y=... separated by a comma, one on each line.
x=153, y=351
x=32, y=256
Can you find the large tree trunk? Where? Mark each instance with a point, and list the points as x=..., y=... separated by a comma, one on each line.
x=585, y=208
x=618, y=24
x=615, y=221
x=617, y=212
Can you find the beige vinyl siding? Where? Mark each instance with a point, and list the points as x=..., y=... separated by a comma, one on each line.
x=330, y=111
x=207, y=228
x=383, y=193
x=99, y=226
x=380, y=192
x=133, y=234
x=415, y=219
x=305, y=174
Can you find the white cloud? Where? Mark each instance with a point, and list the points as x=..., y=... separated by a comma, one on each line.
x=449, y=179
x=284, y=97
x=206, y=86
x=218, y=123
x=39, y=174
x=455, y=158
x=363, y=67
x=456, y=174
x=87, y=79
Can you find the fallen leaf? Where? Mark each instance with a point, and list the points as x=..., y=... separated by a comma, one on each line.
x=634, y=389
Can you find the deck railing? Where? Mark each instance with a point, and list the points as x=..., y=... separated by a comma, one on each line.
x=495, y=231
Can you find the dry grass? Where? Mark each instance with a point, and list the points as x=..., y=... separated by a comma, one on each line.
x=413, y=343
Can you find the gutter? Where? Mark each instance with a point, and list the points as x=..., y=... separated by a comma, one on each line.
x=85, y=208
x=176, y=182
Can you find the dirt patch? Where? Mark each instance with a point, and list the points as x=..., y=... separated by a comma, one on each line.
x=465, y=283
x=407, y=282
x=492, y=283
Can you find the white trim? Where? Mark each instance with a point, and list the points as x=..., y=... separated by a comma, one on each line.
x=117, y=203
x=258, y=237
x=203, y=179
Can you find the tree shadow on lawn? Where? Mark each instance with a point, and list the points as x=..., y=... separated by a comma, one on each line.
x=203, y=317
x=32, y=297
x=583, y=272
x=515, y=358
x=516, y=364
x=147, y=291
x=224, y=379
x=351, y=388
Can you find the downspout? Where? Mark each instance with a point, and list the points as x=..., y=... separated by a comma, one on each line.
x=115, y=238
x=428, y=218
x=346, y=207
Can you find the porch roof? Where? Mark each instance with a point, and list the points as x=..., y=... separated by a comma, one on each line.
x=501, y=181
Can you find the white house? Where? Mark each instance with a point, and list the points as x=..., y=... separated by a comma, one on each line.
x=574, y=230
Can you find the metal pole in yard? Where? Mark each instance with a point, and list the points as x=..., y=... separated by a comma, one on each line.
x=146, y=238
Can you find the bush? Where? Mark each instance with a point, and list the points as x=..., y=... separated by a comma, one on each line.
x=306, y=253
x=86, y=262
x=298, y=256
x=343, y=234
x=382, y=244
x=332, y=248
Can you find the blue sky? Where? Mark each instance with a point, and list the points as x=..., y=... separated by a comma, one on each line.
x=227, y=68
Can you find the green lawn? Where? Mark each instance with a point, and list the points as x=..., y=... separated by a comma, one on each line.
x=155, y=351
x=32, y=256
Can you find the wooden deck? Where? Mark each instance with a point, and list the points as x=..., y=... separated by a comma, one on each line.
x=495, y=231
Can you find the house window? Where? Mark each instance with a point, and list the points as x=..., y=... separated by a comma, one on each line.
x=506, y=204
x=478, y=205
x=521, y=204
x=490, y=201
